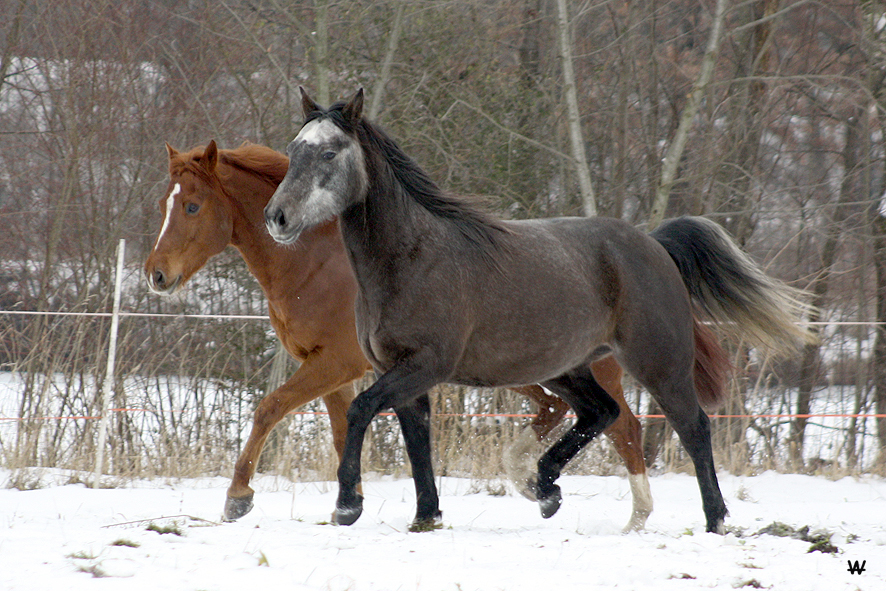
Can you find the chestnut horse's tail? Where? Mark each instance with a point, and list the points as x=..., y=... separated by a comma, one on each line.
x=730, y=289
x=712, y=367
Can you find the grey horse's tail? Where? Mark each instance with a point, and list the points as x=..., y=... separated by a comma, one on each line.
x=732, y=290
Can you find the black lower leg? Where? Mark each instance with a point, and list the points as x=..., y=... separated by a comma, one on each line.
x=555, y=459
x=349, y=505
x=416, y=428
x=595, y=409
x=696, y=438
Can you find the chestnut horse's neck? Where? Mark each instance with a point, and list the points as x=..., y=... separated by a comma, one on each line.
x=280, y=270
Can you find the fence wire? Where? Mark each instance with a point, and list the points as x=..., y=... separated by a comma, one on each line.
x=175, y=416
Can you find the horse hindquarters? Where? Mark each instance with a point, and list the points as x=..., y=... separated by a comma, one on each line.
x=656, y=344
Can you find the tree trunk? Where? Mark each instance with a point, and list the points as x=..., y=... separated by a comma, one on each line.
x=321, y=50
x=12, y=37
x=378, y=89
x=588, y=199
x=810, y=364
x=747, y=92
x=874, y=37
x=879, y=356
x=675, y=151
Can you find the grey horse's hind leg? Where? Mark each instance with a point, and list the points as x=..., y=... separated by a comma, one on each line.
x=595, y=410
x=678, y=400
x=695, y=435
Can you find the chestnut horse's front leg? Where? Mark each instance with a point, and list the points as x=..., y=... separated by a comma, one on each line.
x=319, y=375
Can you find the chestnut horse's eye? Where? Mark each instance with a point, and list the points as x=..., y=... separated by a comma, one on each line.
x=328, y=155
x=192, y=208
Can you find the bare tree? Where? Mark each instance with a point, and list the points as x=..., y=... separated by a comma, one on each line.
x=693, y=100
x=573, y=118
x=874, y=49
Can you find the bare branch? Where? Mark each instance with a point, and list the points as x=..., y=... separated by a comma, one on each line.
x=675, y=150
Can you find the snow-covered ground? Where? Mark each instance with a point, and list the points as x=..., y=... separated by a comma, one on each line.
x=73, y=538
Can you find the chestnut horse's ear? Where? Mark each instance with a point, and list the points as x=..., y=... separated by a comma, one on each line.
x=354, y=109
x=170, y=150
x=210, y=157
x=308, y=105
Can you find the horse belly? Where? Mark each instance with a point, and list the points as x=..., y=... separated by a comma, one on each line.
x=526, y=351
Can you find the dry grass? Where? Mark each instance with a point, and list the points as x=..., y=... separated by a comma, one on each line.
x=195, y=425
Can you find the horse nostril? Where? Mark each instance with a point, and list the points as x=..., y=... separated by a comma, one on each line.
x=159, y=279
x=276, y=218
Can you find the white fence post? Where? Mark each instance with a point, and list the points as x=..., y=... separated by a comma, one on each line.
x=109, y=371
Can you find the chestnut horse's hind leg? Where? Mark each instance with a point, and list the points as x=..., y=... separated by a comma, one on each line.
x=551, y=410
x=315, y=377
x=627, y=437
x=521, y=456
x=595, y=410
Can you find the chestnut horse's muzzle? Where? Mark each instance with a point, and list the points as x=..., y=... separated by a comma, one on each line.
x=159, y=283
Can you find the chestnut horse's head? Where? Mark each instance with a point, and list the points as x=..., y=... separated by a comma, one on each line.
x=197, y=219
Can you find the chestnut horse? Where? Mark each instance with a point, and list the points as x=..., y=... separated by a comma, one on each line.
x=216, y=198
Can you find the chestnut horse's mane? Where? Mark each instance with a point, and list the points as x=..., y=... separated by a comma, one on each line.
x=256, y=159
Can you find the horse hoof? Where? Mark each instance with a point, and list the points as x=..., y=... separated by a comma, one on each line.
x=348, y=515
x=550, y=504
x=237, y=507
x=717, y=528
x=637, y=523
x=427, y=523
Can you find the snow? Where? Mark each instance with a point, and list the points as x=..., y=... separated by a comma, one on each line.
x=61, y=536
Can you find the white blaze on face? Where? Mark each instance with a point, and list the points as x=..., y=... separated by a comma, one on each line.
x=317, y=132
x=320, y=203
x=315, y=203
x=170, y=203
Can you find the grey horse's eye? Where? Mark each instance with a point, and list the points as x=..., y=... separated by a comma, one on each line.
x=328, y=155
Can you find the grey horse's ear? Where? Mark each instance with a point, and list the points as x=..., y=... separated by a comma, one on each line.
x=354, y=109
x=308, y=105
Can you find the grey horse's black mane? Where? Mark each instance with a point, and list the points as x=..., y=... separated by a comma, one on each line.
x=476, y=225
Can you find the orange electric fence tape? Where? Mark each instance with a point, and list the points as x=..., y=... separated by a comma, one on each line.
x=484, y=415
